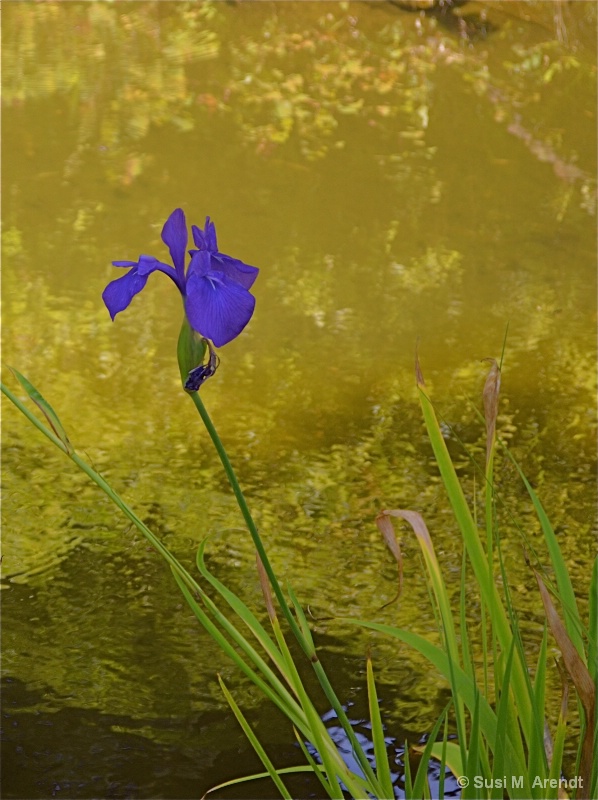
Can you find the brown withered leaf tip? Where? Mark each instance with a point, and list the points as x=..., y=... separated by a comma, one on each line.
x=564, y=689
x=582, y=681
x=490, y=396
x=265, y=584
x=388, y=534
x=419, y=376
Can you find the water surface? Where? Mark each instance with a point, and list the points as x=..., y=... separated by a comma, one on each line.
x=398, y=178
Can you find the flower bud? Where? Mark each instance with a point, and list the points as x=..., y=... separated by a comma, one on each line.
x=191, y=349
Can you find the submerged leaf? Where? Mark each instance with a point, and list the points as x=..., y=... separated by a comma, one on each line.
x=448, y=753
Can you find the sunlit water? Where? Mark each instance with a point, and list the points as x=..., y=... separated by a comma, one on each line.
x=402, y=181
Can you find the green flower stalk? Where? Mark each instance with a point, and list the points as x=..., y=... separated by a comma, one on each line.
x=191, y=350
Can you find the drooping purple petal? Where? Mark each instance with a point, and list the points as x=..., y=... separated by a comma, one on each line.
x=119, y=293
x=202, y=262
x=149, y=264
x=240, y=272
x=217, y=306
x=124, y=263
x=174, y=235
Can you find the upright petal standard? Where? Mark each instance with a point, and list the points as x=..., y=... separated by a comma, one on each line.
x=214, y=287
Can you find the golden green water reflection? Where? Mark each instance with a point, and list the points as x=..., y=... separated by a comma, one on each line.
x=398, y=178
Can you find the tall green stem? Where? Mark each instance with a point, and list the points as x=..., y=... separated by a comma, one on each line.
x=232, y=478
x=303, y=640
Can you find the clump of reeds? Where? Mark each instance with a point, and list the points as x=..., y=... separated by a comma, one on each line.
x=504, y=745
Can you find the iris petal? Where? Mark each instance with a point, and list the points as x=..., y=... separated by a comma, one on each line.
x=206, y=240
x=200, y=264
x=209, y=233
x=174, y=235
x=240, y=272
x=149, y=264
x=215, y=289
x=119, y=293
x=199, y=238
x=217, y=306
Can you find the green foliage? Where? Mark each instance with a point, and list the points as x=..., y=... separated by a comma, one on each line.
x=500, y=719
x=191, y=349
x=511, y=741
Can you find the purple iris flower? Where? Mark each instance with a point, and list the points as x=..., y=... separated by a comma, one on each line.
x=215, y=287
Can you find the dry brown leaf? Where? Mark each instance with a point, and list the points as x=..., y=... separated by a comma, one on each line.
x=419, y=377
x=386, y=529
x=265, y=584
x=417, y=523
x=582, y=681
x=490, y=395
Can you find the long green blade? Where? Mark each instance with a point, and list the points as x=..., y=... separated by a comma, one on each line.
x=380, y=752
x=46, y=409
x=255, y=742
x=477, y=556
x=563, y=579
x=465, y=687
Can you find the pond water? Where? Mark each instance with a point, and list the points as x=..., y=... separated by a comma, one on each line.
x=402, y=180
